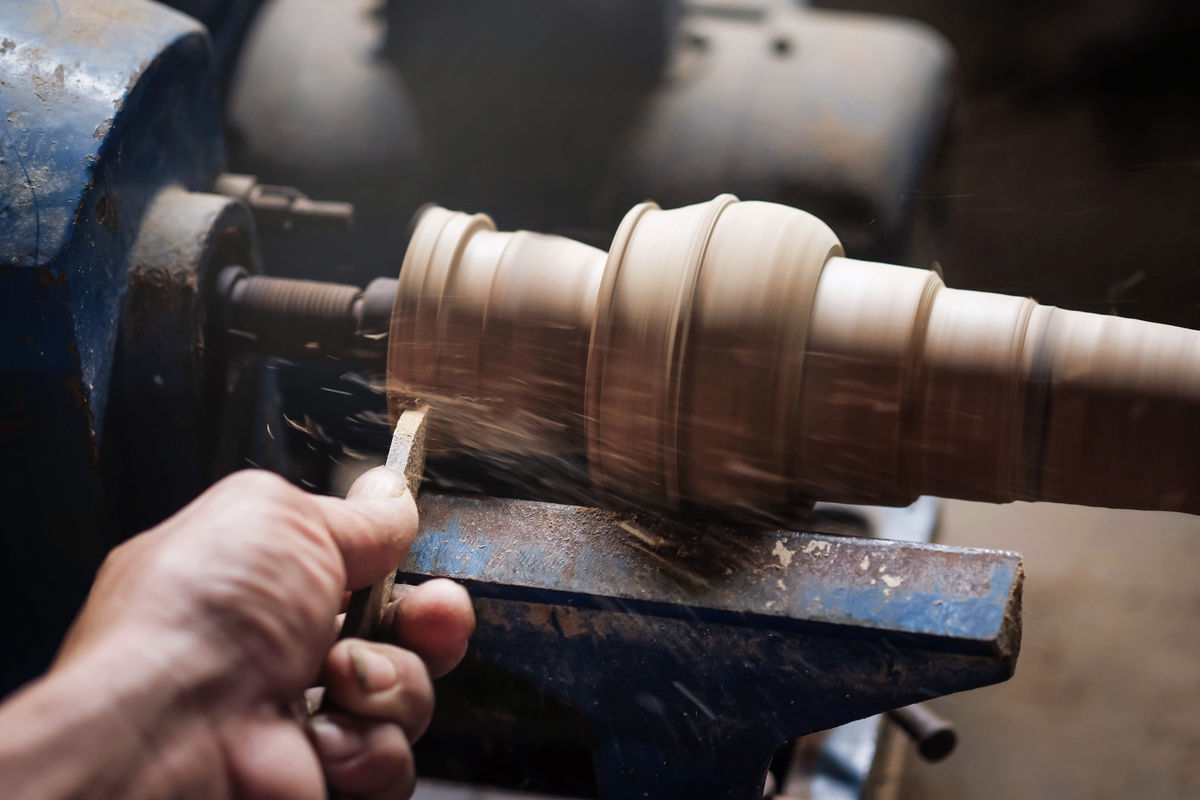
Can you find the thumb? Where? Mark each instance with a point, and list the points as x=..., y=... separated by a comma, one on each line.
x=373, y=527
x=379, y=482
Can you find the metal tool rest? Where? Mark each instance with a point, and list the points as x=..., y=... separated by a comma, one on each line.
x=691, y=654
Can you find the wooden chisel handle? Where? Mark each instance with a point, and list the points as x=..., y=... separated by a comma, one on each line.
x=364, y=614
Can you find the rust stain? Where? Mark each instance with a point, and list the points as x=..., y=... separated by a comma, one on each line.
x=108, y=210
x=538, y=616
x=48, y=277
x=571, y=623
x=87, y=190
x=74, y=385
x=490, y=614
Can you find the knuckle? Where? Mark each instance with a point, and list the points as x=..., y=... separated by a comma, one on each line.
x=257, y=482
x=408, y=700
x=415, y=692
x=406, y=773
x=124, y=559
x=120, y=554
x=412, y=671
x=383, y=768
x=284, y=526
x=399, y=767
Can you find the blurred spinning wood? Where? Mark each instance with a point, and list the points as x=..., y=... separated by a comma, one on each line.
x=725, y=357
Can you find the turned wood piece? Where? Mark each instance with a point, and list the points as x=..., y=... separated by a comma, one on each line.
x=726, y=357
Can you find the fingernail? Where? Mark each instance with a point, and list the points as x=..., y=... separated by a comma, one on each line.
x=374, y=671
x=379, y=482
x=334, y=741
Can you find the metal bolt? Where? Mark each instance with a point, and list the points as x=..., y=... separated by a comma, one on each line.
x=933, y=734
x=283, y=207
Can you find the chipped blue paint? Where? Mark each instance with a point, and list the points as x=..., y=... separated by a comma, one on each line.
x=446, y=552
x=678, y=642
x=67, y=78
x=103, y=104
x=936, y=611
x=565, y=555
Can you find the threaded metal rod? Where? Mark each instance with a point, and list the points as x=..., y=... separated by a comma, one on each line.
x=289, y=317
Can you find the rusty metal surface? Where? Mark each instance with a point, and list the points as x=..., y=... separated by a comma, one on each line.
x=675, y=643
x=166, y=382
x=763, y=578
x=102, y=103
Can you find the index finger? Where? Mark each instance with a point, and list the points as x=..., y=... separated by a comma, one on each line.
x=373, y=527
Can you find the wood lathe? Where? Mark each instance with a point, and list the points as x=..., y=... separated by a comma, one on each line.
x=626, y=441
x=726, y=358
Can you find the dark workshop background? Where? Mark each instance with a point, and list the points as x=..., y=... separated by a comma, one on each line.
x=1073, y=174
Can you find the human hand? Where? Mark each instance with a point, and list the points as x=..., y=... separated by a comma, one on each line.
x=183, y=674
